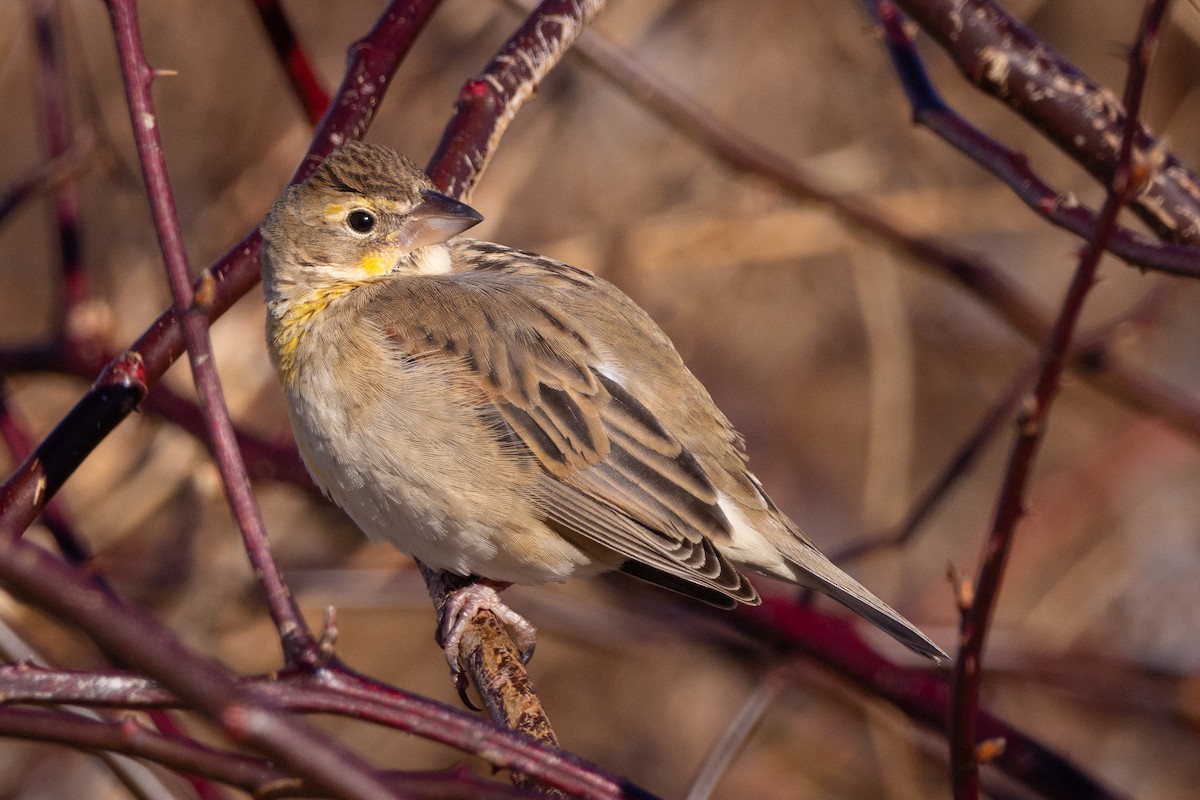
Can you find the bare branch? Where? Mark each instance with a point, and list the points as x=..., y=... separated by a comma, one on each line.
x=1132, y=174
x=1007, y=60
x=301, y=75
x=299, y=645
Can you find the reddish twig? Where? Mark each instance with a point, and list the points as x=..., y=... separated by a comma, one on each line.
x=301, y=76
x=57, y=128
x=1011, y=167
x=977, y=606
x=191, y=311
x=340, y=692
x=253, y=775
x=487, y=104
x=1007, y=60
x=63, y=169
x=84, y=357
x=16, y=438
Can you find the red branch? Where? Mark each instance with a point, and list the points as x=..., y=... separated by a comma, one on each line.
x=301, y=75
x=1007, y=60
x=1011, y=167
x=1131, y=176
x=299, y=645
x=340, y=692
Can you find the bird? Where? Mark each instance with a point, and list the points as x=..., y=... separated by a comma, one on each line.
x=507, y=417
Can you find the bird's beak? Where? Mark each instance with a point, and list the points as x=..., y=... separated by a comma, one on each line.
x=436, y=219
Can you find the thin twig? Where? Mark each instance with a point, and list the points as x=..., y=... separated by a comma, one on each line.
x=56, y=124
x=1011, y=167
x=301, y=75
x=299, y=644
x=256, y=776
x=1001, y=56
x=734, y=737
x=64, y=168
x=1131, y=175
x=489, y=102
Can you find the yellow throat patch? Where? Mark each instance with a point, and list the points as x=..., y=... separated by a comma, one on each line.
x=290, y=327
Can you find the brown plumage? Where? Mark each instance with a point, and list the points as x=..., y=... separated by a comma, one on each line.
x=500, y=414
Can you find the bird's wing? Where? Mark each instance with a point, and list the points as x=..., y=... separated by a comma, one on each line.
x=613, y=474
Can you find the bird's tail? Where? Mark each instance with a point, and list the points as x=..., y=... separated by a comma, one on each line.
x=815, y=571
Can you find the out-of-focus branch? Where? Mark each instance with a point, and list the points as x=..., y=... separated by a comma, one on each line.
x=734, y=737
x=1007, y=60
x=52, y=175
x=993, y=422
x=301, y=76
x=977, y=604
x=256, y=776
x=921, y=694
x=56, y=125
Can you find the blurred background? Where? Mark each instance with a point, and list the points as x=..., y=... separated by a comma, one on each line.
x=854, y=373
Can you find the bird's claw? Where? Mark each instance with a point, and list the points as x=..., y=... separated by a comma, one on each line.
x=461, y=607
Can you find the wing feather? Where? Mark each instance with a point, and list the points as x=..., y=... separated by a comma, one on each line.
x=614, y=476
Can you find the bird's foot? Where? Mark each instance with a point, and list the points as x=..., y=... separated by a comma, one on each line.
x=461, y=607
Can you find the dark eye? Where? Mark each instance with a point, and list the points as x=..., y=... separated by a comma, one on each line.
x=360, y=221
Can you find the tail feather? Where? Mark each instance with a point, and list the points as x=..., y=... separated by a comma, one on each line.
x=815, y=571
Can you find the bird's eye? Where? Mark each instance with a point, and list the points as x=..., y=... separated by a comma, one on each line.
x=360, y=221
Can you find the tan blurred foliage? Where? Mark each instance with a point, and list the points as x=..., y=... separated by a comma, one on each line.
x=853, y=375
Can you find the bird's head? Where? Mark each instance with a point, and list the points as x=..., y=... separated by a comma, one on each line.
x=364, y=212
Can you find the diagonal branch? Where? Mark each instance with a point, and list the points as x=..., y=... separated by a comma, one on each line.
x=1013, y=168
x=301, y=75
x=1008, y=61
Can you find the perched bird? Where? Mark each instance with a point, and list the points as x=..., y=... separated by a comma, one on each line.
x=498, y=414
